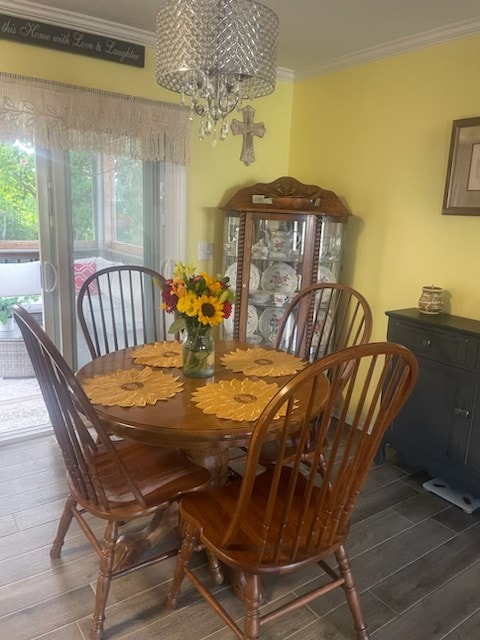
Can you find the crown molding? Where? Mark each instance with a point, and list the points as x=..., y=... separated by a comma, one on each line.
x=59, y=17
x=396, y=47
x=285, y=74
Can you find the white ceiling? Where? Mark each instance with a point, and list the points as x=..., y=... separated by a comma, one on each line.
x=316, y=36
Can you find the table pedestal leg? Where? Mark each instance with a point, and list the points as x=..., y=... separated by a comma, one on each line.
x=215, y=461
x=131, y=547
x=217, y=464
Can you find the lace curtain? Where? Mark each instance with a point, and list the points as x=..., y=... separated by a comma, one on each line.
x=62, y=116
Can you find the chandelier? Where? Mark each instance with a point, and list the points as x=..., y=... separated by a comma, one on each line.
x=217, y=52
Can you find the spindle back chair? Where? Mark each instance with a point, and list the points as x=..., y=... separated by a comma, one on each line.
x=291, y=515
x=115, y=481
x=120, y=306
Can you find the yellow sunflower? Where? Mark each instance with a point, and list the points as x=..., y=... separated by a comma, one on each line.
x=209, y=310
x=131, y=387
x=236, y=399
x=214, y=286
x=188, y=304
x=262, y=362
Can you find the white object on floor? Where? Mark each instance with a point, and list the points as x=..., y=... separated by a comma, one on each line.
x=464, y=500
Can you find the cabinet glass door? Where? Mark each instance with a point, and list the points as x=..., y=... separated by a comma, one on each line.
x=331, y=251
x=276, y=266
x=268, y=260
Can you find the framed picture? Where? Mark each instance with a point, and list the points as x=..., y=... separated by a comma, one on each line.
x=462, y=188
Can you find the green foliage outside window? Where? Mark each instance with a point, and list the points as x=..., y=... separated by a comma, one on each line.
x=82, y=194
x=92, y=182
x=129, y=201
x=18, y=194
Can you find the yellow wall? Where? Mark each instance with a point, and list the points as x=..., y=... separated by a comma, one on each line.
x=379, y=135
x=214, y=174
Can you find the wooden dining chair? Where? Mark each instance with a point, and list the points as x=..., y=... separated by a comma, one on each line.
x=120, y=306
x=115, y=481
x=322, y=319
x=290, y=516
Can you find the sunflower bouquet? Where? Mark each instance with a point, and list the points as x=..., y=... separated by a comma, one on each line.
x=200, y=302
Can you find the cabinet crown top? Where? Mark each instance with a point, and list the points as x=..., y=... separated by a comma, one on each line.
x=287, y=194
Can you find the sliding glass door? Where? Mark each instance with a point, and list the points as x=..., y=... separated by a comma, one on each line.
x=95, y=211
x=85, y=211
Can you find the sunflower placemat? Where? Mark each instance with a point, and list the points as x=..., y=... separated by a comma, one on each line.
x=159, y=354
x=262, y=362
x=131, y=387
x=237, y=399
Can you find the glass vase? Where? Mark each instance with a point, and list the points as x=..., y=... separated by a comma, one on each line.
x=198, y=352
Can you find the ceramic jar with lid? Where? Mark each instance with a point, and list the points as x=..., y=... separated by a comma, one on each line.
x=285, y=243
x=431, y=300
x=281, y=241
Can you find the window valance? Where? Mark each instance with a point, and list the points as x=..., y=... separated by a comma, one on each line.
x=63, y=116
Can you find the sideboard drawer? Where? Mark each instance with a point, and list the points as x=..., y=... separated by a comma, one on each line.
x=441, y=346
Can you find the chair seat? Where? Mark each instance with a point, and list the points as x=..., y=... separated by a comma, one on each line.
x=161, y=475
x=214, y=508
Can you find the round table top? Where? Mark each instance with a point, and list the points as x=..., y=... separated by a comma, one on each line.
x=176, y=422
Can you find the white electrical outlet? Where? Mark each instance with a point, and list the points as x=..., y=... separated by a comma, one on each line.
x=205, y=250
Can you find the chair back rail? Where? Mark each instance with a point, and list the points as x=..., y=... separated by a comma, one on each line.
x=120, y=306
x=324, y=318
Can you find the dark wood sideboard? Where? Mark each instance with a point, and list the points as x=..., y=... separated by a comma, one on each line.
x=438, y=430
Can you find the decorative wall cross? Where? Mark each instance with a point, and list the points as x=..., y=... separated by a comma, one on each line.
x=248, y=129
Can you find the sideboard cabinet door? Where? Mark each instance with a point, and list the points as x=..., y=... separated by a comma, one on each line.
x=468, y=430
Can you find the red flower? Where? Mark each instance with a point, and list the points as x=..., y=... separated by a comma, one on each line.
x=169, y=298
x=227, y=309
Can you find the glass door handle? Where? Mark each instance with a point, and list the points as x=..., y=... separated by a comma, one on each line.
x=50, y=277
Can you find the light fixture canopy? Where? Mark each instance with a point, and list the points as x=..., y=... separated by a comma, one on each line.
x=218, y=52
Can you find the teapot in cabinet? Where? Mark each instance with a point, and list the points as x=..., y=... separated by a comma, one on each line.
x=284, y=242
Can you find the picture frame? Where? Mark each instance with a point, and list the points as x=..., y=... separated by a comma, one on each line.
x=462, y=186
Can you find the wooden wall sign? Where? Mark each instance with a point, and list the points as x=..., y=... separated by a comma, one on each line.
x=71, y=40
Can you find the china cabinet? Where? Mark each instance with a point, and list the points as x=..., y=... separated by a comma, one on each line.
x=278, y=238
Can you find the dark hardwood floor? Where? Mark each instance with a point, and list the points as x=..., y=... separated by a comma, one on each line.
x=416, y=560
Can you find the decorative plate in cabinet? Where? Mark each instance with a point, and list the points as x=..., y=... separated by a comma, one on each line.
x=254, y=282
x=325, y=275
x=269, y=322
x=252, y=321
x=280, y=277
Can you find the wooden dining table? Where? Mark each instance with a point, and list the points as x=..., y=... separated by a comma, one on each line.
x=177, y=422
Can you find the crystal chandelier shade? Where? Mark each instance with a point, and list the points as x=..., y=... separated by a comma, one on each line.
x=218, y=52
